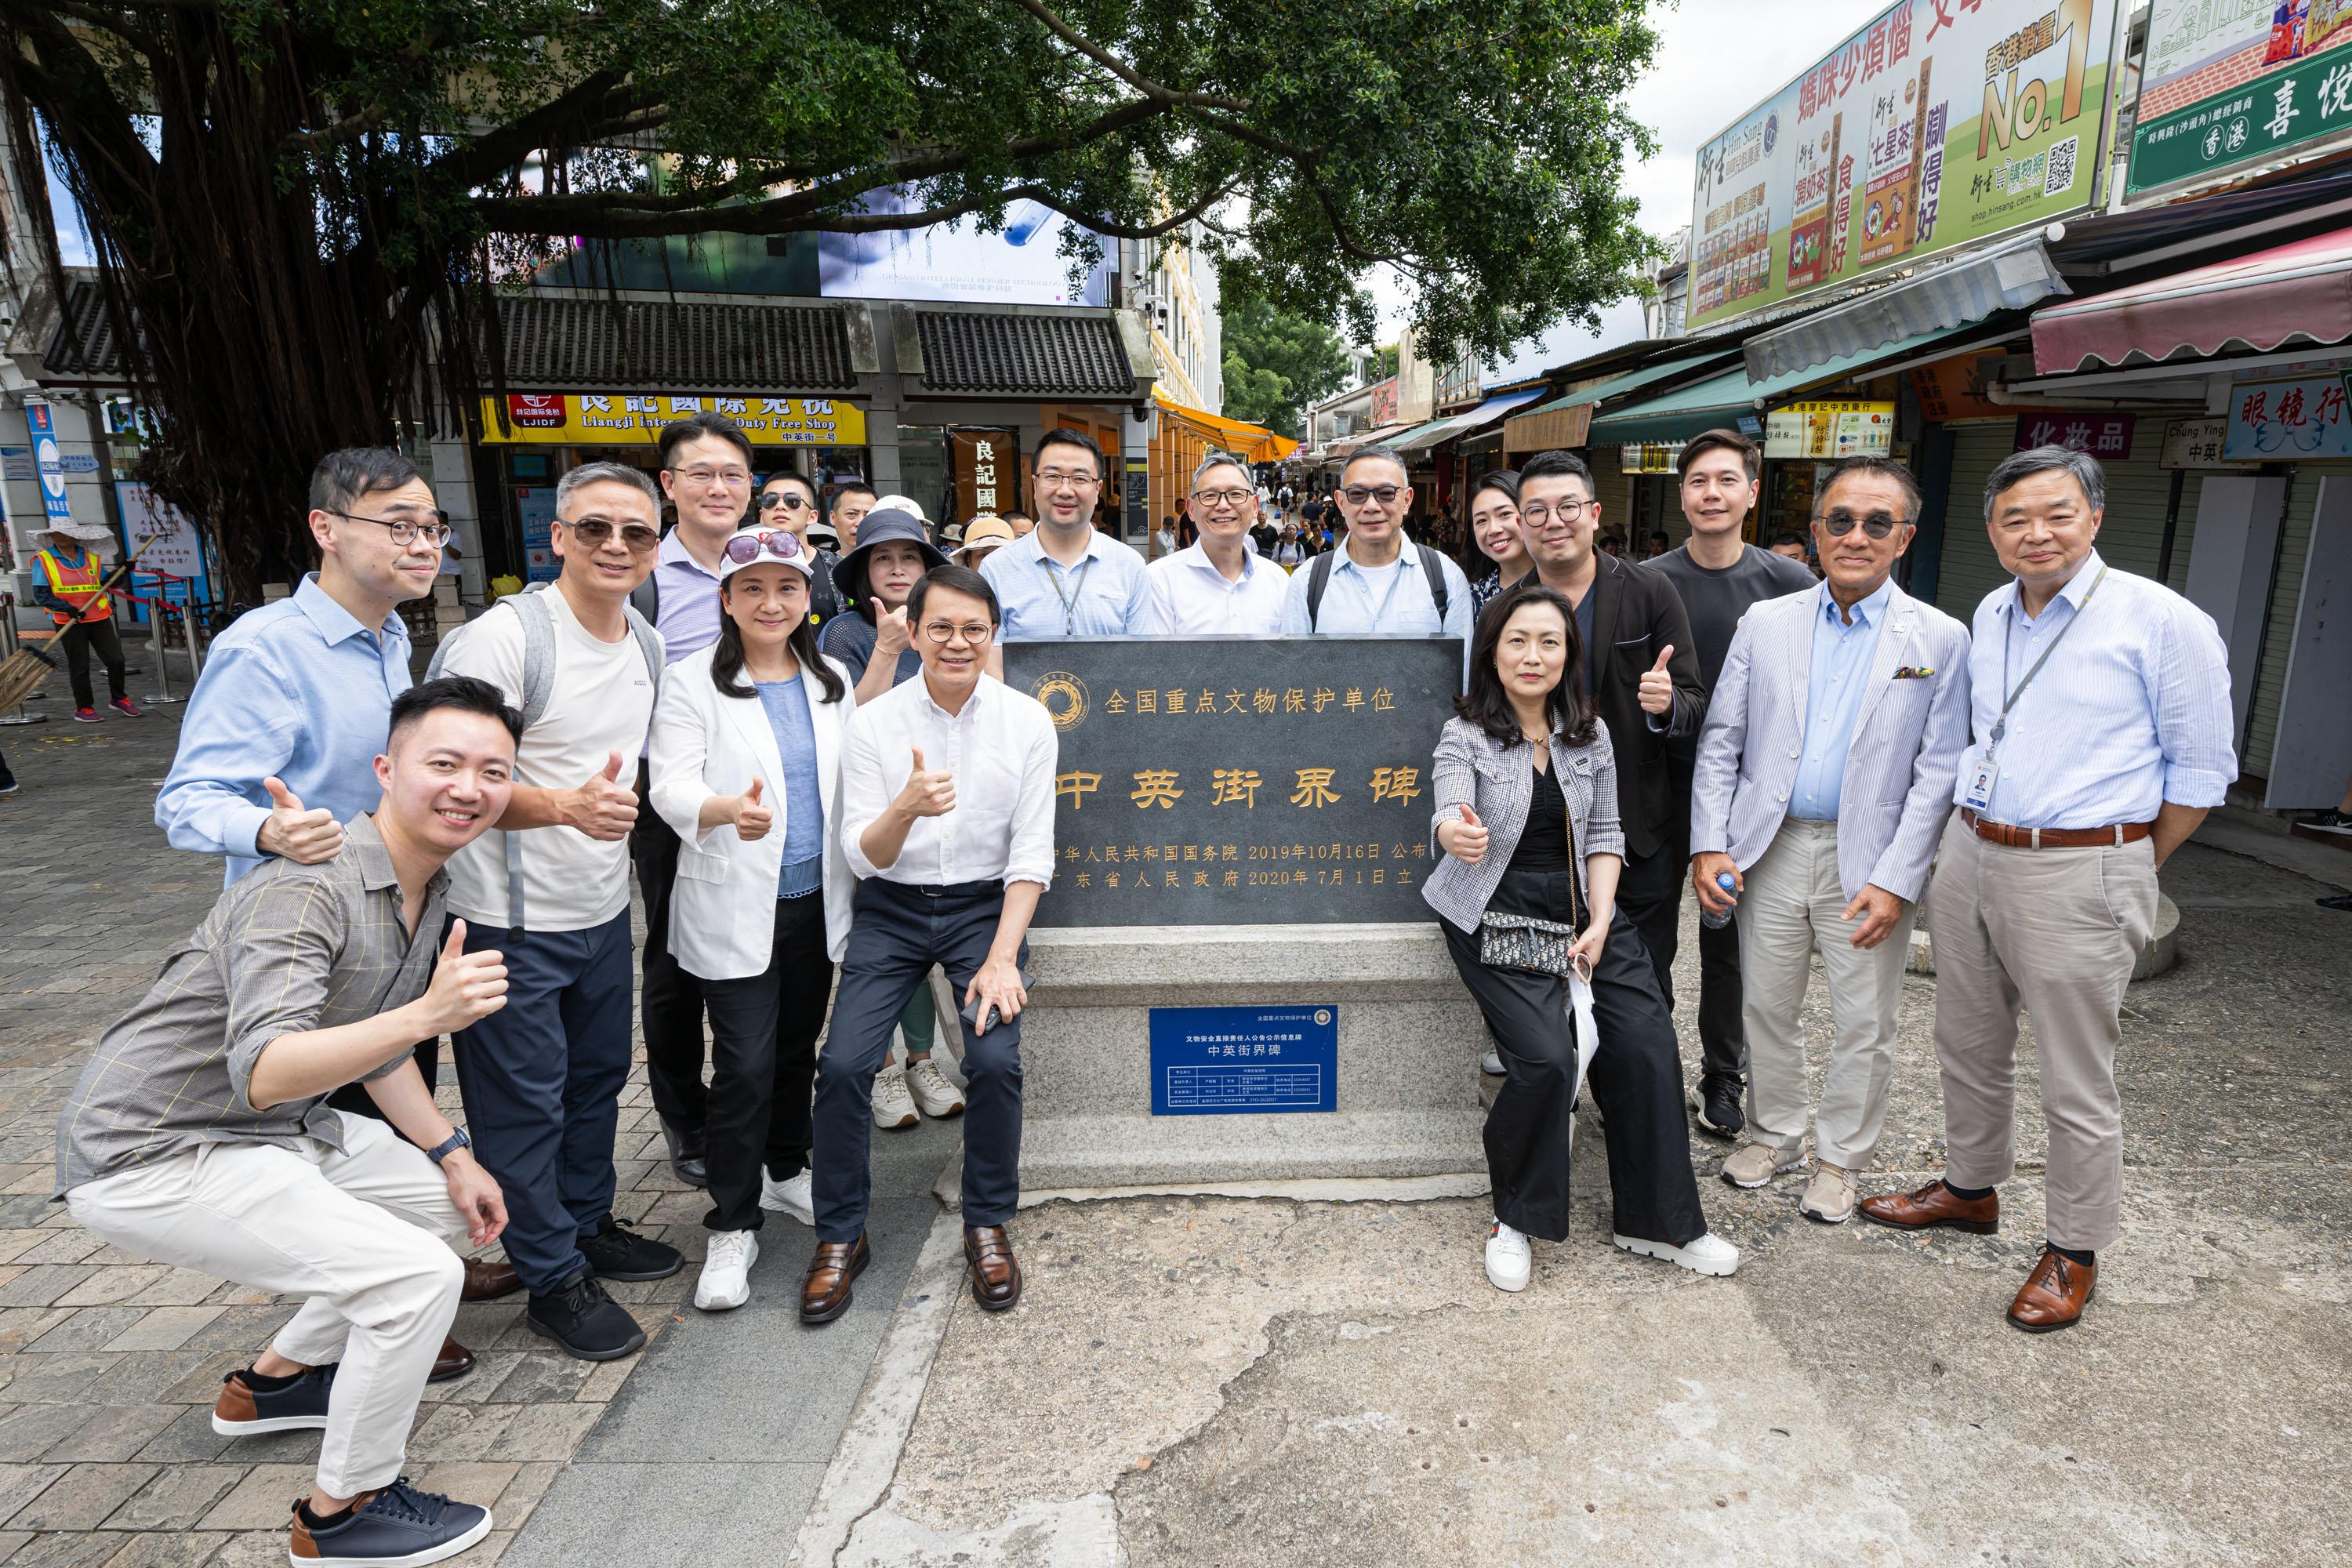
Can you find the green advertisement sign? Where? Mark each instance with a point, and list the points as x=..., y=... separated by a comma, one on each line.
x=2258, y=121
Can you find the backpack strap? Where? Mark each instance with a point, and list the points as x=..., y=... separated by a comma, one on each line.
x=646, y=597
x=1319, y=582
x=1433, y=565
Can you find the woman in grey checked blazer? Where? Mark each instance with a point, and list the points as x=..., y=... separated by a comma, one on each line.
x=1532, y=830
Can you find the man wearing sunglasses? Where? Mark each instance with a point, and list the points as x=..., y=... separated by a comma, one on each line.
x=542, y=1077
x=788, y=502
x=1374, y=586
x=1823, y=777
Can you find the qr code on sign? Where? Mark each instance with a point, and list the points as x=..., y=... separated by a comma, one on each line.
x=2060, y=177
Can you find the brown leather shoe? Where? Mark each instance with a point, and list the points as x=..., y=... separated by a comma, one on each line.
x=824, y=1293
x=455, y=1361
x=1934, y=1204
x=2054, y=1295
x=486, y=1282
x=995, y=1272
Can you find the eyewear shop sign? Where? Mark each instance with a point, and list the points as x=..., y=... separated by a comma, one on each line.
x=1941, y=123
x=1240, y=781
x=636, y=419
x=2304, y=419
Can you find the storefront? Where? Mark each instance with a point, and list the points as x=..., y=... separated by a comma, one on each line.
x=1181, y=437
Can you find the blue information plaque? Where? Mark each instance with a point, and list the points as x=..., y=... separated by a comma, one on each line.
x=1226, y=1061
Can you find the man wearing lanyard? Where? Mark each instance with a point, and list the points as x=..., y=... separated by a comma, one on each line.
x=2101, y=711
x=1375, y=585
x=1066, y=580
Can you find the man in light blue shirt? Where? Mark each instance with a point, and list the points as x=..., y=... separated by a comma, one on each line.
x=1066, y=579
x=1378, y=583
x=1843, y=640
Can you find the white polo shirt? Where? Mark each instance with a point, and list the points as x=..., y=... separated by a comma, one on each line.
x=1186, y=595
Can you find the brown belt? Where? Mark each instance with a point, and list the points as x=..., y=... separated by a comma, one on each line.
x=2057, y=837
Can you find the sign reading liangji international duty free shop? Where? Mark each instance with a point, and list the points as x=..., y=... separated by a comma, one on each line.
x=1240, y=781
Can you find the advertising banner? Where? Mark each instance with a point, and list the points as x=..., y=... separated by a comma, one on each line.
x=48, y=460
x=1940, y=124
x=636, y=419
x=2230, y=83
x=1829, y=430
x=2301, y=419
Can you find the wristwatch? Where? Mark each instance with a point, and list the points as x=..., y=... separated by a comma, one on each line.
x=455, y=1141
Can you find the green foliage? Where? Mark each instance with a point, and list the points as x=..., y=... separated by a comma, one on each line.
x=1278, y=364
x=1384, y=363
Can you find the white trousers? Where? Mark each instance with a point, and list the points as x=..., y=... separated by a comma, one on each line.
x=1792, y=906
x=363, y=1235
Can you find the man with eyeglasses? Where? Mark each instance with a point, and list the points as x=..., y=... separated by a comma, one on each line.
x=1067, y=579
x=1217, y=585
x=1373, y=585
x=542, y=1077
x=947, y=809
x=1823, y=777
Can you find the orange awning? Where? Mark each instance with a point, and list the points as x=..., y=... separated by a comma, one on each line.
x=1256, y=442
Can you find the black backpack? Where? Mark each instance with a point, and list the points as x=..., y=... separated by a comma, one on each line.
x=1432, y=566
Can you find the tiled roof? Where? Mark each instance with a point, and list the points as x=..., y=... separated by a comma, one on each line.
x=85, y=343
x=566, y=342
x=1029, y=356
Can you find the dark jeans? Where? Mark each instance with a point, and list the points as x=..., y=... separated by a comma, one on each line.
x=1635, y=1076
x=542, y=1078
x=671, y=1004
x=763, y=1034
x=75, y=642
x=1650, y=895
x=899, y=933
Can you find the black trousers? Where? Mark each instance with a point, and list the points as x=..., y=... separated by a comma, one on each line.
x=898, y=933
x=671, y=1002
x=75, y=642
x=1650, y=895
x=1636, y=1076
x=763, y=1033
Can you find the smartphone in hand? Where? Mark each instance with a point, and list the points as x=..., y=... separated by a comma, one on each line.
x=981, y=1022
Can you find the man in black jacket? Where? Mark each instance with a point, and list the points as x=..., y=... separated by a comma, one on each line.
x=1642, y=672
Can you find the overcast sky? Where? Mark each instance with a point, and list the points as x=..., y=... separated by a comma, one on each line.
x=1716, y=59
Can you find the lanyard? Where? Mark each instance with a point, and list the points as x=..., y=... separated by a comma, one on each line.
x=2001, y=722
x=1069, y=600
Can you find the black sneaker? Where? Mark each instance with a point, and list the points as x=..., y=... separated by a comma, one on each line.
x=616, y=1252
x=2335, y=822
x=244, y=1411
x=1718, y=1108
x=398, y=1527
x=585, y=1321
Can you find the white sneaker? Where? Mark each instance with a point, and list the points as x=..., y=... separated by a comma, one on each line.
x=795, y=1196
x=726, y=1281
x=1507, y=1260
x=894, y=1107
x=934, y=1095
x=1710, y=1254
x=1492, y=1062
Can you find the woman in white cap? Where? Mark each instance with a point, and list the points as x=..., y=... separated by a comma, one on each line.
x=984, y=536
x=745, y=764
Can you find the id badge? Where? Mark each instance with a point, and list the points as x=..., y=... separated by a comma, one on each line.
x=1978, y=797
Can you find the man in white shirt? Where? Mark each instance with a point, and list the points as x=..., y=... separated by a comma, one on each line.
x=1219, y=585
x=542, y=1077
x=1066, y=580
x=947, y=817
x=1378, y=583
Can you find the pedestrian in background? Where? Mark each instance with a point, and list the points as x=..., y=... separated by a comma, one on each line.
x=984, y=537
x=67, y=577
x=2102, y=731
x=788, y=502
x=1494, y=529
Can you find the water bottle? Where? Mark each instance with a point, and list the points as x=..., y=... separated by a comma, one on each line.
x=1707, y=917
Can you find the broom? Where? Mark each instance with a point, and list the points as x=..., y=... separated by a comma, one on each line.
x=22, y=672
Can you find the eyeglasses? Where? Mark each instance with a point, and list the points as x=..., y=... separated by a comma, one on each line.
x=746, y=548
x=706, y=478
x=408, y=529
x=945, y=632
x=1356, y=495
x=1062, y=479
x=1878, y=524
x=593, y=532
x=786, y=501
x=1541, y=512
x=1226, y=497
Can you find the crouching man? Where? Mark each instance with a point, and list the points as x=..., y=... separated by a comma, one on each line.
x=199, y=1132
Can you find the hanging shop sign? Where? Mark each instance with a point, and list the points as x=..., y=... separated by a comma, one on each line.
x=636, y=419
x=1940, y=124
x=1652, y=457
x=1847, y=428
x=2225, y=86
x=2106, y=436
x=2194, y=444
x=2300, y=420
x=987, y=472
x=1955, y=388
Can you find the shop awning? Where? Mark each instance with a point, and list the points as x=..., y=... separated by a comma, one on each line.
x=2006, y=277
x=1565, y=421
x=1726, y=399
x=1453, y=425
x=2299, y=292
x=1378, y=436
x=1256, y=442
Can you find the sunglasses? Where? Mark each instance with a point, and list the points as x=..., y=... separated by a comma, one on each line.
x=785, y=501
x=593, y=532
x=1878, y=524
x=746, y=548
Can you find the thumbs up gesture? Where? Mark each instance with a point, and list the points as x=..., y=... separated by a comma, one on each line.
x=754, y=817
x=1657, y=692
x=305, y=837
x=603, y=807
x=1465, y=840
x=928, y=792
x=466, y=986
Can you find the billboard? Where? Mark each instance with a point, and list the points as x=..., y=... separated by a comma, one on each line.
x=1021, y=264
x=1940, y=124
x=614, y=418
x=2231, y=83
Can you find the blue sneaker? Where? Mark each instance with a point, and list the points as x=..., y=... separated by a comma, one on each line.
x=398, y=1527
x=245, y=1411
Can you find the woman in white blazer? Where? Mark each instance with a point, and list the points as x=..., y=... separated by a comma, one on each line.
x=745, y=762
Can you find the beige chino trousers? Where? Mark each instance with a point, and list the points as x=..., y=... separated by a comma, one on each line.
x=2054, y=931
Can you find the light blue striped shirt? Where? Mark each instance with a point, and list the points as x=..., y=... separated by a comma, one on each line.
x=1041, y=600
x=2131, y=711
x=1842, y=654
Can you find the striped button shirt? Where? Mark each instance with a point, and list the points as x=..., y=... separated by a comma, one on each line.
x=287, y=949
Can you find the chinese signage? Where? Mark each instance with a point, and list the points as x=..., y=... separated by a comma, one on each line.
x=987, y=472
x=636, y=419
x=2286, y=421
x=2194, y=444
x=2229, y=83
x=1954, y=388
x=1942, y=123
x=1829, y=430
x=176, y=548
x=2106, y=436
x=1647, y=458
x=1221, y=1061
x=1251, y=781
x=48, y=460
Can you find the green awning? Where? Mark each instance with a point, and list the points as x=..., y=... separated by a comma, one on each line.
x=1726, y=399
x=1632, y=381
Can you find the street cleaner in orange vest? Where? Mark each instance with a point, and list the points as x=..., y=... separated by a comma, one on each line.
x=66, y=578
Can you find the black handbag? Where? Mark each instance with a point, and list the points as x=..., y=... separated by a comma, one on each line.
x=1526, y=943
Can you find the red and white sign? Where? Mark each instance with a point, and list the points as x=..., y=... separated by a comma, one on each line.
x=535, y=410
